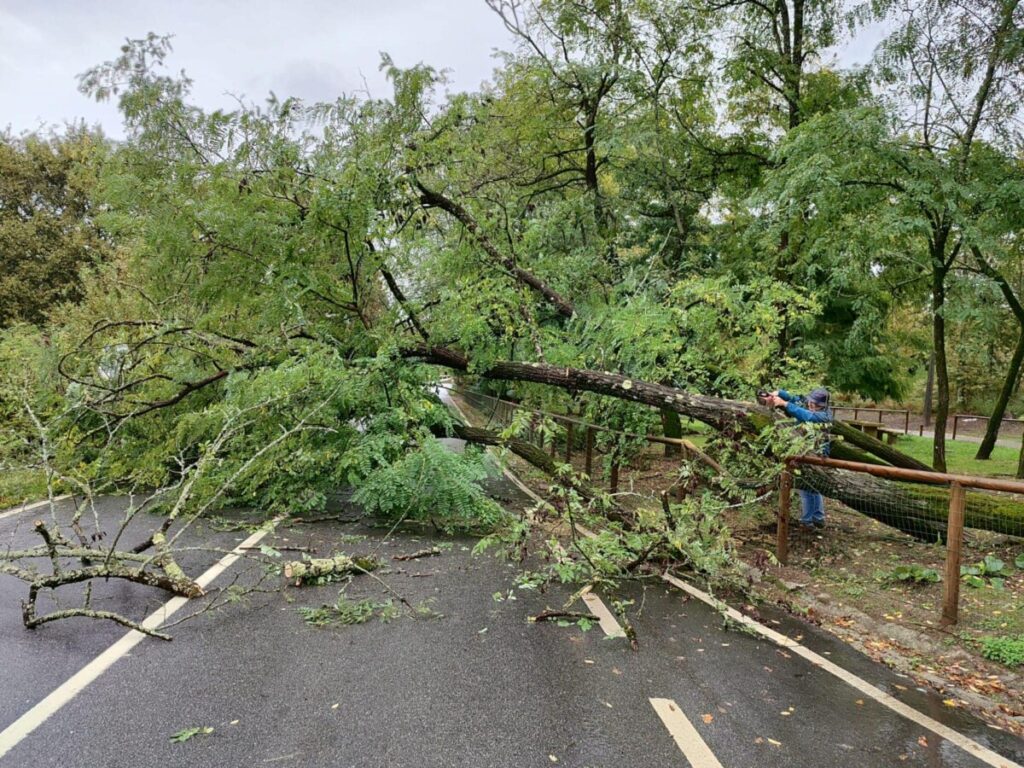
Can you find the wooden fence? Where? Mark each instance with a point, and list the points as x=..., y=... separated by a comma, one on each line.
x=958, y=486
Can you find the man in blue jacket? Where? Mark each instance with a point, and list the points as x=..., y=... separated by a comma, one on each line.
x=812, y=409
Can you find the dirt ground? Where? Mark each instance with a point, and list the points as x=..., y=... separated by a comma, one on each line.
x=843, y=578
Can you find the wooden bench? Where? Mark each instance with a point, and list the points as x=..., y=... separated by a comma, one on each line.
x=876, y=430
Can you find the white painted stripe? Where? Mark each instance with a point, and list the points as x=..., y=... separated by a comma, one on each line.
x=686, y=737
x=604, y=616
x=24, y=725
x=29, y=507
x=953, y=737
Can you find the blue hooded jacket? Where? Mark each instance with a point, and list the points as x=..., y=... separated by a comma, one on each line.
x=795, y=408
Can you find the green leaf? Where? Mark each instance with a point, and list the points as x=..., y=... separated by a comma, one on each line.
x=993, y=565
x=1019, y=562
x=269, y=551
x=187, y=733
x=974, y=581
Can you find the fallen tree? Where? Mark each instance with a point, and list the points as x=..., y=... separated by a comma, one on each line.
x=916, y=510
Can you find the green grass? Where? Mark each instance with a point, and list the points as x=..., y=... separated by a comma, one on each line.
x=17, y=486
x=960, y=456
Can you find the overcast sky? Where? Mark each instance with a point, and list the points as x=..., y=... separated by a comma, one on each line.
x=312, y=49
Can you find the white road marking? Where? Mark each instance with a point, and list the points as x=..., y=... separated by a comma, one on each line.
x=29, y=507
x=686, y=737
x=24, y=725
x=953, y=737
x=604, y=616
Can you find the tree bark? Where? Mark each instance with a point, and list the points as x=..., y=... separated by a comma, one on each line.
x=339, y=565
x=672, y=426
x=988, y=442
x=941, y=366
x=1013, y=373
x=929, y=386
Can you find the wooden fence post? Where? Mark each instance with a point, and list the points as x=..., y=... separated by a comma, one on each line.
x=590, y=452
x=954, y=538
x=1020, y=459
x=782, y=530
x=956, y=418
x=906, y=423
x=568, y=443
x=614, y=482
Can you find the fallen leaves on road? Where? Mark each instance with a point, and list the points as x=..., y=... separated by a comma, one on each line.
x=707, y=718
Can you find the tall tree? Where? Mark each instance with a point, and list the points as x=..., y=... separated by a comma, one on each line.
x=48, y=220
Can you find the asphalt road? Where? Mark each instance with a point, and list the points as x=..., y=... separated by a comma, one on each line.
x=477, y=686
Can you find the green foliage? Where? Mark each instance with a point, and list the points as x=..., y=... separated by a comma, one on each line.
x=48, y=220
x=435, y=485
x=915, y=573
x=991, y=569
x=347, y=611
x=713, y=216
x=188, y=733
x=1006, y=650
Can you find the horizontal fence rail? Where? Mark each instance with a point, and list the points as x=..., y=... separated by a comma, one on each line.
x=955, y=515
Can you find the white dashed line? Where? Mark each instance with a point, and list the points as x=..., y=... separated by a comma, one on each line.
x=686, y=737
x=597, y=607
x=24, y=725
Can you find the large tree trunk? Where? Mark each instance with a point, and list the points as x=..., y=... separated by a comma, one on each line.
x=1009, y=385
x=918, y=510
x=672, y=426
x=941, y=367
x=929, y=386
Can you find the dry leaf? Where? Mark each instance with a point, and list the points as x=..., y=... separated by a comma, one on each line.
x=707, y=718
x=922, y=740
x=775, y=743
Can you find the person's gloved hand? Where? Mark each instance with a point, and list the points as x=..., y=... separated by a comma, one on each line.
x=776, y=401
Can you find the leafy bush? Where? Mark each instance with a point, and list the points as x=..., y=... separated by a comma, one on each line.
x=915, y=573
x=991, y=567
x=432, y=484
x=1004, y=649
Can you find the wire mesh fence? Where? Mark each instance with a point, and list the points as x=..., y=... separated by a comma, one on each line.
x=928, y=506
x=591, y=448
